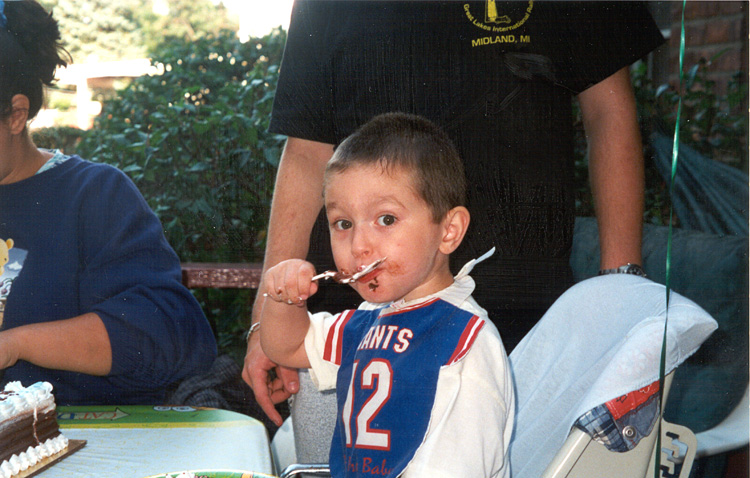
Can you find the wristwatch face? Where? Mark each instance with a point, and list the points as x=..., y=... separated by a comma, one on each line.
x=634, y=269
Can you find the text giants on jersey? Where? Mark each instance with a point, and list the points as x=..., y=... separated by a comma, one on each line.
x=383, y=334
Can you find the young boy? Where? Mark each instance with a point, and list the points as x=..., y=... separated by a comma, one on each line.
x=421, y=376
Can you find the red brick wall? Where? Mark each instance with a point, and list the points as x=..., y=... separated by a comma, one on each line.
x=710, y=28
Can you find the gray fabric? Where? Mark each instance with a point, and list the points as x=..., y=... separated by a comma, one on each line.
x=313, y=418
x=709, y=196
x=222, y=387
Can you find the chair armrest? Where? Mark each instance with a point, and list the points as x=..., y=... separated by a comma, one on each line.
x=306, y=469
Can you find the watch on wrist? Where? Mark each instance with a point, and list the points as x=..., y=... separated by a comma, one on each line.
x=250, y=331
x=628, y=268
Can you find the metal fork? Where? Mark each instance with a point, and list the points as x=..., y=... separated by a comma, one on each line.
x=341, y=279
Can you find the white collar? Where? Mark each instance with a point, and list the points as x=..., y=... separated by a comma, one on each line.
x=456, y=293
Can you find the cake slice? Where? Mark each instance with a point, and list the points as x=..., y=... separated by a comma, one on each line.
x=29, y=433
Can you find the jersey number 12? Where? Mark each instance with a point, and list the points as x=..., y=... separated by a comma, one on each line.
x=378, y=375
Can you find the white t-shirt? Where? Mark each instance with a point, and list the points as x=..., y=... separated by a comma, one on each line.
x=472, y=415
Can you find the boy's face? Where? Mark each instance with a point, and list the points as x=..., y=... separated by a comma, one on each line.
x=374, y=213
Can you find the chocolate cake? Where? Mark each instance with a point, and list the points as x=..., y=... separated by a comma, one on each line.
x=29, y=433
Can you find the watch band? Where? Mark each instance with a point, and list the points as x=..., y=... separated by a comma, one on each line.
x=250, y=331
x=628, y=268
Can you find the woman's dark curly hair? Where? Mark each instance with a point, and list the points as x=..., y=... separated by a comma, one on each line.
x=30, y=52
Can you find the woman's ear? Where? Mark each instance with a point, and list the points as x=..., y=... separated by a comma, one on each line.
x=19, y=114
x=455, y=224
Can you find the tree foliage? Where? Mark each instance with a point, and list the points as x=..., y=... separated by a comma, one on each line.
x=185, y=19
x=713, y=124
x=102, y=30
x=195, y=141
x=99, y=30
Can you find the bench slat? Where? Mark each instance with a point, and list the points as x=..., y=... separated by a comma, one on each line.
x=221, y=275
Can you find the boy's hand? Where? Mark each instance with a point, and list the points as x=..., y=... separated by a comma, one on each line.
x=290, y=281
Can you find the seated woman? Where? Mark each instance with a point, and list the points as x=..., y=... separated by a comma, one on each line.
x=90, y=292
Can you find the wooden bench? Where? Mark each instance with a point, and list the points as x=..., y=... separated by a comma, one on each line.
x=197, y=275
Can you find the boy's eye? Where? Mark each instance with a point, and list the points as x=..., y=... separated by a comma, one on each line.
x=342, y=224
x=386, y=220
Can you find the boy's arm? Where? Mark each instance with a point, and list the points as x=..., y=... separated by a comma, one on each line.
x=282, y=333
x=284, y=319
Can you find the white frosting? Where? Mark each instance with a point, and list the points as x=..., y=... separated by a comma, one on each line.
x=22, y=400
x=32, y=456
x=36, y=397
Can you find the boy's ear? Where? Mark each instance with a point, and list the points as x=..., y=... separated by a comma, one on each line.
x=455, y=224
x=19, y=113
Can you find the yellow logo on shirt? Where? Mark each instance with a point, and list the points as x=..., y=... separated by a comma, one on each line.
x=499, y=18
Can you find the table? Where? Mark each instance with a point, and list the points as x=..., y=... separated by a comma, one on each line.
x=140, y=441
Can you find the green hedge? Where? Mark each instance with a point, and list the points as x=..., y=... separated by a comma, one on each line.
x=64, y=138
x=194, y=140
x=713, y=124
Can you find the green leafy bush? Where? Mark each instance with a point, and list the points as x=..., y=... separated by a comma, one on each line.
x=714, y=125
x=64, y=138
x=195, y=141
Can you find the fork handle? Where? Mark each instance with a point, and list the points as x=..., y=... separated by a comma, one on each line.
x=324, y=275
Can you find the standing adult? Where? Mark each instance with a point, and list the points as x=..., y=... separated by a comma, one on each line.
x=90, y=293
x=499, y=78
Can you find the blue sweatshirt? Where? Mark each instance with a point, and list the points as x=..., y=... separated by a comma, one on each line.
x=85, y=240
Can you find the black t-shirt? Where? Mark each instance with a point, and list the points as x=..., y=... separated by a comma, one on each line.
x=499, y=78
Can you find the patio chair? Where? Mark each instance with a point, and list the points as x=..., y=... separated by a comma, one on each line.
x=582, y=456
x=601, y=340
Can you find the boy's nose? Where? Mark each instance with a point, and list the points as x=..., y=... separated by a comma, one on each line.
x=361, y=243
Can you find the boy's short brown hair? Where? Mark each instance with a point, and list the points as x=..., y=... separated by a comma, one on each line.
x=414, y=143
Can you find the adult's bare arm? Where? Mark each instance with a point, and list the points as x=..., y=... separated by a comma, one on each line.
x=80, y=344
x=616, y=168
x=297, y=200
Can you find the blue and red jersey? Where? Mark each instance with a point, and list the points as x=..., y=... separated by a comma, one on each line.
x=389, y=364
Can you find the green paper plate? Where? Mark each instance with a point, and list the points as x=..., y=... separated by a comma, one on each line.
x=214, y=474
